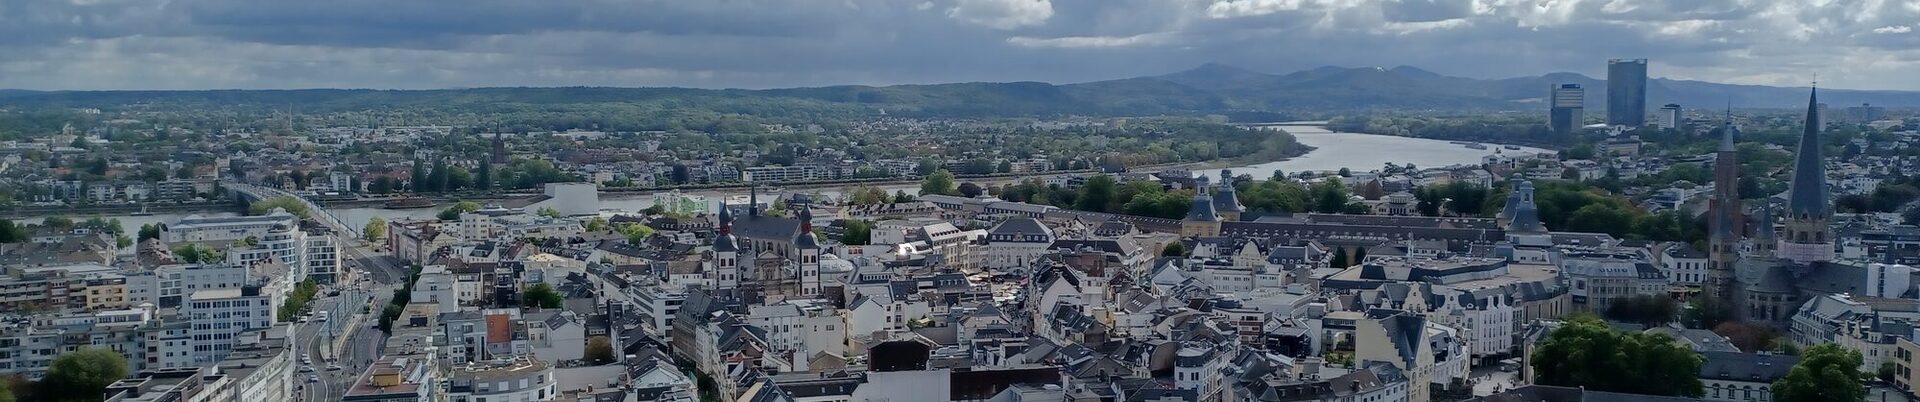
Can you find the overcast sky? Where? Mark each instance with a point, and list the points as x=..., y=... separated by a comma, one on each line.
x=201, y=44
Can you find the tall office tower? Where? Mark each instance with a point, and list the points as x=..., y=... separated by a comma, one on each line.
x=1669, y=116
x=1567, y=109
x=1627, y=92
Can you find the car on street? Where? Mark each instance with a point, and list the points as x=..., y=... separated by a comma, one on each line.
x=334, y=367
x=306, y=369
x=313, y=378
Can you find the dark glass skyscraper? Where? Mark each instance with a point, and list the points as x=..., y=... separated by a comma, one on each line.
x=1627, y=92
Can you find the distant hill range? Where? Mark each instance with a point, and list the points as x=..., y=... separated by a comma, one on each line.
x=1210, y=88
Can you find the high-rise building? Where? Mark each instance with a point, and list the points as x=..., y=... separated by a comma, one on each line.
x=1567, y=109
x=1865, y=113
x=1627, y=92
x=1669, y=116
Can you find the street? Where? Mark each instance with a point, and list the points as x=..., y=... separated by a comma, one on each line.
x=1489, y=380
x=352, y=317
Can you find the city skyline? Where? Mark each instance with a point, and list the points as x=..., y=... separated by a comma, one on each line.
x=359, y=44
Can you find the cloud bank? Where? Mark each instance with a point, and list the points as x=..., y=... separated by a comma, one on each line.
x=202, y=44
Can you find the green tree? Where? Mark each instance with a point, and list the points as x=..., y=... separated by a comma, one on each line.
x=971, y=190
x=636, y=233
x=288, y=203
x=12, y=233
x=83, y=374
x=1585, y=352
x=940, y=182
x=453, y=211
x=195, y=254
x=549, y=212
x=1098, y=194
x=1174, y=249
x=57, y=222
x=858, y=232
x=599, y=350
x=418, y=179
x=1826, y=372
x=1329, y=196
x=1339, y=258
x=596, y=224
x=376, y=229
x=483, y=180
x=542, y=295
x=900, y=196
x=149, y=231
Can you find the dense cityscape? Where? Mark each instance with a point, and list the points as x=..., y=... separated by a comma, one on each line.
x=1162, y=238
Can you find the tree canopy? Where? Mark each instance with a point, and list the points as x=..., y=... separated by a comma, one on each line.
x=1826, y=372
x=1585, y=352
x=83, y=374
x=453, y=211
x=292, y=205
x=938, y=182
x=542, y=295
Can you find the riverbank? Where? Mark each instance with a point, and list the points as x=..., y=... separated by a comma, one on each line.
x=118, y=210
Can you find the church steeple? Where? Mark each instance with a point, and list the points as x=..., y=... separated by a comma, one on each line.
x=1809, y=196
x=1807, y=237
x=1724, y=216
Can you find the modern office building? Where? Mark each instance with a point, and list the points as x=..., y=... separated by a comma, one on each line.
x=1669, y=116
x=1567, y=110
x=1627, y=92
x=196, y=228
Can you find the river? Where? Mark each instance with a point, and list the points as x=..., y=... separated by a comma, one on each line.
x=1364, y=152
x=1332, y=151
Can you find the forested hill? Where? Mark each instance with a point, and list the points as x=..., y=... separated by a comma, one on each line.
x=1208, y=89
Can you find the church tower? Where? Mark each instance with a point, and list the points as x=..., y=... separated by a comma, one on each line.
x=807, y=247
x=1524, y=218
x=1764, y=239
x=1807, y=237
x=1723, y=221
x=725, y=267
x=1201, y=219
x=1226, y=204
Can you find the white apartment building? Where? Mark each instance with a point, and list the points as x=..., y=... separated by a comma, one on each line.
x=285, y=245
x=784, y=173
x=168, y=285
x=1684, y=265
x=196, y=228
x=1016, y=243
x=322, y=257
x=521, y=379
x=218, y=316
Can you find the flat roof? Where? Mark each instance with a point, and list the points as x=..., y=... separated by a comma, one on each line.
x=216, y=294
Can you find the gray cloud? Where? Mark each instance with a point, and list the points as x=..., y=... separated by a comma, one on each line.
x=188, y=44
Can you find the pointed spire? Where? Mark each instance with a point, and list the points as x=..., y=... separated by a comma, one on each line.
x=1763, y=232
x=753, y=202
x=1727, y=130
x=805, y=240
x=1809, y=196
x=725, y=242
